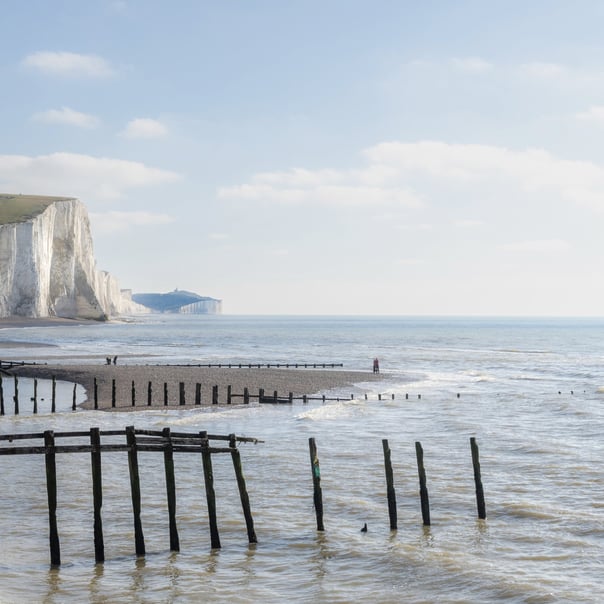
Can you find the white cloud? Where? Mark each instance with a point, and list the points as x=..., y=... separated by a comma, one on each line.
x=594, y=114
x=474, y=65
x=111, y=222
x=144, y=128
x=540, y=246
x=69, y=64
x=544, y=70
x=77, y=175
x=67, y=116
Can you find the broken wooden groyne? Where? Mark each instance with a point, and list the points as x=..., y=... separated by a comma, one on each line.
x=133, y=441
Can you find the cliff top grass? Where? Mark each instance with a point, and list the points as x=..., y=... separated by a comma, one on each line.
x=20, y=208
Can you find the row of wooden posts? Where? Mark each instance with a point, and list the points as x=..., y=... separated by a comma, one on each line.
x=260, y=365
x=261, y=397
x=168, y=443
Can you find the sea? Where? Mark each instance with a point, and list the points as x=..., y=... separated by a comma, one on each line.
x=529, y=390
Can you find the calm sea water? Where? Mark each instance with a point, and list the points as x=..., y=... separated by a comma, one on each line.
x=530, y=390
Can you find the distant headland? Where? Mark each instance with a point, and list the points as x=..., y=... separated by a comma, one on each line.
x=179, y=301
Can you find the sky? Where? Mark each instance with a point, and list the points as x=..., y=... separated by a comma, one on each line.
x=323, y=157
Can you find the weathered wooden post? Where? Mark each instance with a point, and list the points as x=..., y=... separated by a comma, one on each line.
x=482, y=511
x=210, y=494
x=135, y=489
x=214, y=395
x=16, y=396
x=53, y=406
x=170, y=489
x=275, y=397
x=35, y=396
x=423, y=491
x=198, y=394
x=51, y=490
x=291, y=397
x=113, y=392
x=96, y=394
x=73, y=399
x=181, y=387
x=97, y=493
x=133, y=393
x=243, y=495
x=229, y=394
x=149, y=394
x=316, y=480
x=1, y=397
x=390, y=485
x=165, y=394
x=246, y=396
x=260, y=394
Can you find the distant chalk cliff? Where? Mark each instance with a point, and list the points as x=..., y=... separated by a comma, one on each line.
x=47, y=265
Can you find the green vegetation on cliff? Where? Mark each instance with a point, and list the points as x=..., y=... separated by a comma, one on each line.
x=19, y=208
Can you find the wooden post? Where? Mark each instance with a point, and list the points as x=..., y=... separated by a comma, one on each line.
x=316, y=481
x=229, y=394
x=390, y=485
x=16, y=396
x=97, y=494
x=246, y=396
x=304, y=399
x=198, y=394
x=214, y=395
x=149, y=394
x=35, y=396
x=51, y=489
x=165, y=394
x=73, y=400
x=181, y=386
x=243, y=495
x=423, y=491
x=209, y=483
x=133, y=392
x=291, y=397
x=275, y=397
x=482, y=511
x=171, y=490
x=113, y=392
x=135, y=489
x=96, y=394
x=1, y=397
x=54, y=395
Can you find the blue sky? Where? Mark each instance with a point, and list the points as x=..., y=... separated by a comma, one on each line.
x=333, y=157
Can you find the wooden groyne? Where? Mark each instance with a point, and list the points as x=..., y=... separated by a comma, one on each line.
x=133, y=442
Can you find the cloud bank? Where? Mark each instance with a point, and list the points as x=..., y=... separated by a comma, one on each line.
x=68, y=64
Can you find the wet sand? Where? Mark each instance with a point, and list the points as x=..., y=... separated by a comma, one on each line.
x=298, y=381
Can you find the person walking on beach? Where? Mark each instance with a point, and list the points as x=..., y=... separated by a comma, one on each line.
x=376, y=365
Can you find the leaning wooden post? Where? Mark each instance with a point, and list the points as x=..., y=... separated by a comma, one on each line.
x=181, y=386
x=51, y=489
x=113, y=392
x=53, y=406
x=16, y=396
x=423, y=491
x=73, y=399
x=390, y=485
x=135, y=489
x=198, y=394
x=316, y=481
x=133, y=393
x=149, y=394
x=97, y=493
x=210, y=494
x=96, y=394
x=245, y=500
x=35, y=396
x=1, y=397
x=482, y=510
x=214, y=395
x=170, y=489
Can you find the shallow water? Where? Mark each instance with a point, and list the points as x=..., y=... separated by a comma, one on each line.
x=530, y=391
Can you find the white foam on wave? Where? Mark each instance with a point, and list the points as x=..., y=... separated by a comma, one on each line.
x=334, y=411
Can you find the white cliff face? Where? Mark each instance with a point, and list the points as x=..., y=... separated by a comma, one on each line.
x=47, y=267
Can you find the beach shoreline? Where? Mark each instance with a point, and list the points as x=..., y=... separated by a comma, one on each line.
x=137, y=378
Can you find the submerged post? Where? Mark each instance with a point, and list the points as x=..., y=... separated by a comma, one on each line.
x=390, y=485
x=97, y=494
x=135, y=489
x=243, y=495
x=482, y=511
x=316, y=480
x=423, y=491
x=170, y=490
x=51, y=489
x=208, y=476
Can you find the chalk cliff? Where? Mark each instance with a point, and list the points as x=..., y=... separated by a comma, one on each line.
x=47, y=265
